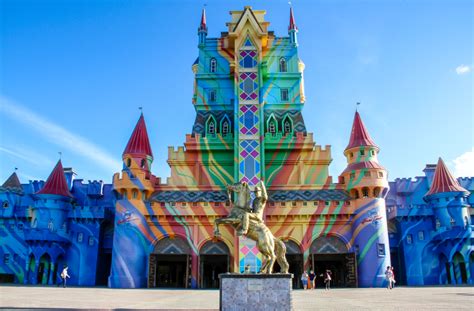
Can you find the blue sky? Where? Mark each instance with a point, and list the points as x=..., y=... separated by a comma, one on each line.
x=73, y=74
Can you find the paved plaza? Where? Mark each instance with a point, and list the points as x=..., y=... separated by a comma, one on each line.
x=403, y=298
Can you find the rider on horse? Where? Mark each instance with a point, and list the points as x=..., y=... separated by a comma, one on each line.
x=258, y=205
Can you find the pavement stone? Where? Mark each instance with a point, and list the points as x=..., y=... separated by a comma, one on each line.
x=99, y=298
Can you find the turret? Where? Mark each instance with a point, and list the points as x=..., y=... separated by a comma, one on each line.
x=448, y=199
x=10, y=195
x=133, y=188
x=202, y=30
x=292, y=29
x=366, y=181
x=52, y=202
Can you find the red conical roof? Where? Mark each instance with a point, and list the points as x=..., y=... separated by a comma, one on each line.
x=139, y=144
x=56, y=182
x=203, y=19
x=359, y=134
x=443, y=181
x=292, y=21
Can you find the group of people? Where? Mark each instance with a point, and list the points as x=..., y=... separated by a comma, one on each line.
x=390, y=276
x=309, y=280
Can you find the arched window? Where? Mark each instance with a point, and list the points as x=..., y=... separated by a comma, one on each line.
x=50, y=225
x=211, y=126
x=134, y=194
x=453, y=222
x=365, y=192
x=129, y=162
x=272, y=125
x=437, y=224
x=355, y=193
x=143, y=163
x=287, y=125
x=283, y=65
x=225, y=125
x=5, y=204
x=213, y=65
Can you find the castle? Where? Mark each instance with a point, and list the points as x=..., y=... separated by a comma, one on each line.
x=248, y=95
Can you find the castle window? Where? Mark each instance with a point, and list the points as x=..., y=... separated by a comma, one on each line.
x=355, y=193
x=211, y=126
x=142, y=164
x=351, y=155
x=20, y=226
x=213, y=65
x=80, y=237
x=366, y=174
x=225, y=127
x=380, y=174
x=381, y=250
x=437, y=224
x=287, y=125
x=327, y=203
x=283, y=67
x=377, y=192
x=293, y=203
x=5, y=204
x=372, y=152
x=134, y=194
x=143, y=196
x=195, y=204
x=421, y=235
x=6, y=259
x=35, y=223
x=50, y=225
x=409, y=239
x=272, y=125
x=284, y=95
x=129, y=162
x=212, y=96
x=183, y=204
x=283, y=203
x=348, y=203
x=362, y=152
x=305, y=203
x=91, y=240
x=365, y=192
x=453, y=222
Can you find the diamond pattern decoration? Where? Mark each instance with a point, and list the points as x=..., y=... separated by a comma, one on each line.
x=249, y=167
x=248, y=85
x=248, y=120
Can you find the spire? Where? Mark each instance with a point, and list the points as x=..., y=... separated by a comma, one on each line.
x=203, y=25
x=359, y=134
x=12, y=182
x=56, y=182
x=443, y=181
x=292, y=21
x=139, y=144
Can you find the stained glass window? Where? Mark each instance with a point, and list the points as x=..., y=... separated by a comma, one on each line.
x=248, y=58
x=248, y=86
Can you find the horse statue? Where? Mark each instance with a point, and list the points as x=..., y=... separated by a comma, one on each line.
x=249, y=222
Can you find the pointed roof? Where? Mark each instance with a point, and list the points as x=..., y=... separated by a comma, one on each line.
x=359, y=134
x=56, y=182
x=203, y=25
x=443, y=181
x=139, y=144
x=12, y=182
x=292, y=21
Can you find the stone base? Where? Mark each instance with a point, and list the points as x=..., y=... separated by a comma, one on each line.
x=255, y=292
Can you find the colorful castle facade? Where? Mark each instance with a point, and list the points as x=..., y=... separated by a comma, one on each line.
x=141, y=231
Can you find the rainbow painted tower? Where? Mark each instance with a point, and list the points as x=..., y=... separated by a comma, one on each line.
x=141, y=231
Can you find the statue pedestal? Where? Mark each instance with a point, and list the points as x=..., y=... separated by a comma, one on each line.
x=255, y=292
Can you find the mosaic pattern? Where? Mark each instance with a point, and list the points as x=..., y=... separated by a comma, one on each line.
x=248, y=86
x=248, y=120
x=248, y=59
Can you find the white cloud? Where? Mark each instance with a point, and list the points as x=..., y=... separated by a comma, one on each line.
x=464, y=164
x=59, y=135
x=26, y=155
x=463, y=69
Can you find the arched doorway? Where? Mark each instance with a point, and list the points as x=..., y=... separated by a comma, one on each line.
x=214, y=259
x=104, y=258
x=294, y=256
x=330, y=253
x=169, y=264
x=44, y=269
x=444, y=273
x=460, y=273
x=31, y=269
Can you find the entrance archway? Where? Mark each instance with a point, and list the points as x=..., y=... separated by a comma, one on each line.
x=330, y=253
x=31, y=269
x=213, y=259
x=44, y=269
x=169, y=264
x=460, y=273
x=444, y=269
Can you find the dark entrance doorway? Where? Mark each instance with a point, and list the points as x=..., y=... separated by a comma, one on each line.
x=104, y=258
x=213, y=260
x=295, y=261
x=44, y=269
x=330, y=253
x=170, y=264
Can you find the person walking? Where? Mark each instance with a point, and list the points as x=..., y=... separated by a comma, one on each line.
x=393, y=277
x=327, y=279
x=304, y=280
x=389, y=277
x=312, y=279
x=64, y=276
